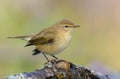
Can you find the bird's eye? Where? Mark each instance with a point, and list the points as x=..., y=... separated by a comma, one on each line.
x=66, y=26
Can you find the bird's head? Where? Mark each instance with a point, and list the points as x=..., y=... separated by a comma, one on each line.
x=66, y=25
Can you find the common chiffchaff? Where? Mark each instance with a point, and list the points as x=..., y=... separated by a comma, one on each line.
x=52, y=40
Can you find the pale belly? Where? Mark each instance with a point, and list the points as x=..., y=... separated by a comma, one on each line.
x=56, y=47
x=61, y=46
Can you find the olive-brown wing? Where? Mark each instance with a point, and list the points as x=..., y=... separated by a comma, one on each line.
x=41, y=40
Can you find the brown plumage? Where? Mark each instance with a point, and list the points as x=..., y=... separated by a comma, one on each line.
x=51, y=40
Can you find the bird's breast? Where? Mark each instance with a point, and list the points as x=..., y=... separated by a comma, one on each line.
x=62, y=43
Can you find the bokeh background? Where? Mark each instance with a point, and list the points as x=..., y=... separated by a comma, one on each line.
x=97, y=40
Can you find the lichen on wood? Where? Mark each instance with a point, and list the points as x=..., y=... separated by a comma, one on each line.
x=60, y=69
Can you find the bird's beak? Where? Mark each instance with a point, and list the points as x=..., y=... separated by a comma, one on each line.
x=76, y=26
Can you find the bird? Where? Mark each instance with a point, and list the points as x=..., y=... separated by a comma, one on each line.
x=52, y=40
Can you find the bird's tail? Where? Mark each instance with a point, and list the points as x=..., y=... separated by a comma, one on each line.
x=26, y=37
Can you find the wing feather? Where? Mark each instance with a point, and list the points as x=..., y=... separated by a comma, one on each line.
x=44, y=37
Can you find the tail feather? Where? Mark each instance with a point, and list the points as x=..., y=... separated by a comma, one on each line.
x=29, y=44
x=27, y=37
x=18, y=37
x=21, y=37
x=36, y=52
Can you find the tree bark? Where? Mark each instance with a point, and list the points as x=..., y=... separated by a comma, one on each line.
x=60, y=69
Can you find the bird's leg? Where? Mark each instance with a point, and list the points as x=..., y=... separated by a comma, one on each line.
x=36, y=52
x=54, y=56
x=45, y=56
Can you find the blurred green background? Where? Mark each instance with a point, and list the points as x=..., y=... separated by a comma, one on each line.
x=98, y=38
